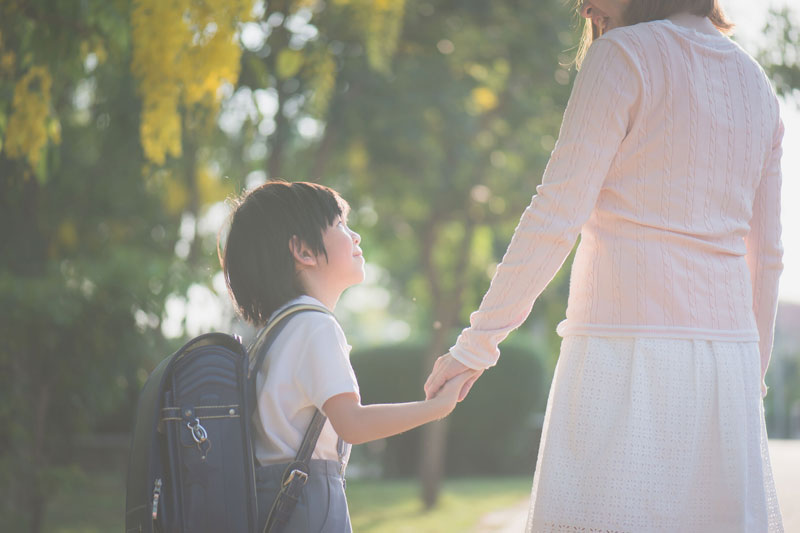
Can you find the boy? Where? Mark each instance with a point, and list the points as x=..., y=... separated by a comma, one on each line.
x=289, y=243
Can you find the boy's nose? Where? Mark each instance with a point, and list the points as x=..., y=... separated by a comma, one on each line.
x=586, y=10
x=356, y=237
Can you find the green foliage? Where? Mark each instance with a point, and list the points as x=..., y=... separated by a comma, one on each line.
x=448, y=149
x=93, y=503
x=494, y=431
x=87, y=257
x=782, y=59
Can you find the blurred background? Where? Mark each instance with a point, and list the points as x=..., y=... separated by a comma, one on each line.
x=126, y=126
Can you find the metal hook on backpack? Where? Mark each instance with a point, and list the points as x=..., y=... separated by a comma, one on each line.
x=200, y=436
x=199, y=433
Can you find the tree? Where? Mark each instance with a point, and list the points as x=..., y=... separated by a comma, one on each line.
x=432, y=137
x=90, y=259
x=294, y=56
x=109, y=144
x=781, y=59
x=446, y=152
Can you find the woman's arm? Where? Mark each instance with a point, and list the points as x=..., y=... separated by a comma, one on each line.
x=599, y=115
x=356, y=423
x=765, y=252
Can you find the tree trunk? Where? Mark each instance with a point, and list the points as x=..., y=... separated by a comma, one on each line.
x=278, y=139
x=276, y=143
x=447, y=306
x=36, y=499
x=434, y=435
x=190, y=179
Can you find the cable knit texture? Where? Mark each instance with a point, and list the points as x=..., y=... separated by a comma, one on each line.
x=668, y=166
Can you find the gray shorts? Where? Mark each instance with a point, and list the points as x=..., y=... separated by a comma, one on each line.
x=322, y=507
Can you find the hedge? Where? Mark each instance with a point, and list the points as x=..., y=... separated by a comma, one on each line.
x=494, y=431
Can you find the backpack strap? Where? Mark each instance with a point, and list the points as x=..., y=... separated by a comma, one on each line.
x=260, y=346
x=296, y=474
x=294, y=478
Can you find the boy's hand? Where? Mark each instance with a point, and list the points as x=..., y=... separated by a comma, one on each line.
x=448, y=395
x=445, y=368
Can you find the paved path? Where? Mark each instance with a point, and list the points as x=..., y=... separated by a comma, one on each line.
x=505, y=520
x=785, y=457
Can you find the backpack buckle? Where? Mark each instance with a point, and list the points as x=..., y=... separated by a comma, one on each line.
x=296, y=473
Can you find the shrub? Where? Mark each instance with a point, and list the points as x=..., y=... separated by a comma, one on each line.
x=494, y=431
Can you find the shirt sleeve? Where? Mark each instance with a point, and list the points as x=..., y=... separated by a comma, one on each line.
x=601, y=108
x=324, y=368
x=764, y=253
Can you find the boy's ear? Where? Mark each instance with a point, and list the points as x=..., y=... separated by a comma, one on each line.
x=303, y=255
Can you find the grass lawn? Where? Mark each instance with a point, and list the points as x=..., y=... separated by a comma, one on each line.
x=92, y=503
x=394, y=506
x=95, y=503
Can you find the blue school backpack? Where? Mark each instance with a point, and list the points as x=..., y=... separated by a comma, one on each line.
x=192, y=466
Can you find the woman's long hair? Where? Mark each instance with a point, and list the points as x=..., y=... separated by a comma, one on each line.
x=647, y=10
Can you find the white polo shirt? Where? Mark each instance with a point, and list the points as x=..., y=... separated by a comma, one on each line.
x=308, y=363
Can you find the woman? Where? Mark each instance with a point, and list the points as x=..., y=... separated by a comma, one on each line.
x=668, y=165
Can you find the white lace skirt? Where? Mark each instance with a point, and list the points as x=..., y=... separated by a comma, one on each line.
x=645, y=434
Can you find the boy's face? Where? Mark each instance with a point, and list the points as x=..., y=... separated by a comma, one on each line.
x=345, y=265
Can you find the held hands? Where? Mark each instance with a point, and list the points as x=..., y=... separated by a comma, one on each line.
x=448, y=395
x=444, y=371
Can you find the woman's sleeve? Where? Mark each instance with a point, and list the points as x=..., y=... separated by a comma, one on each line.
x=598, y=116
x=764, y=250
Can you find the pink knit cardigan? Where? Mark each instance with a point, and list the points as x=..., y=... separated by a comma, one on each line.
x=668, y=165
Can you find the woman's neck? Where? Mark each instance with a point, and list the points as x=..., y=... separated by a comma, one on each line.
x=694, y=22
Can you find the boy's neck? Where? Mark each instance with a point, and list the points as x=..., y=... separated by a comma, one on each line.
x=321, y=291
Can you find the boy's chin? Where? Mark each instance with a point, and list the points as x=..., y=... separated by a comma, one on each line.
x=358, y=278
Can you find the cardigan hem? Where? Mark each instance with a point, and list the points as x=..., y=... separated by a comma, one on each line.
x=567, y=327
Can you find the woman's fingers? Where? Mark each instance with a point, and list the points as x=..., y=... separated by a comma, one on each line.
x=446, y=367
x=432, y=383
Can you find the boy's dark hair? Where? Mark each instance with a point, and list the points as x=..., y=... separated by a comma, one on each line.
x=257, y=261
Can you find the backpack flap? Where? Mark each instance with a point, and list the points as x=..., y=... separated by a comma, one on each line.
x=208, y=446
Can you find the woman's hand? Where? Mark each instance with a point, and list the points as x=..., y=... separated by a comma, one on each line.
x=446, y=368
x=448, y=396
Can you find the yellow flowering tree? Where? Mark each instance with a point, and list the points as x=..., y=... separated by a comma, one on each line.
x=87, y=247
x=28, y=125
x=183, y=53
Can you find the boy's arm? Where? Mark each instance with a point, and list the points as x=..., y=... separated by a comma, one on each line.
x=357, y=424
